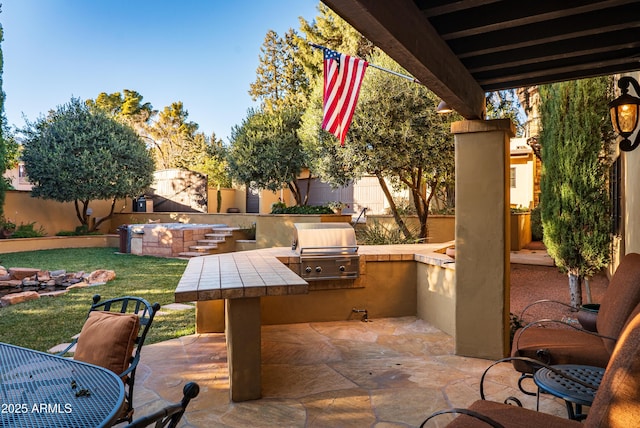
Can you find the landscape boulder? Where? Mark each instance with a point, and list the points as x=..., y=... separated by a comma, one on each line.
x=101, y=276
x=15, y=298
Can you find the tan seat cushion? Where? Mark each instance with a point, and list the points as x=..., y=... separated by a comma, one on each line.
x=107, y=339
x=511, y=416
x=565, y=345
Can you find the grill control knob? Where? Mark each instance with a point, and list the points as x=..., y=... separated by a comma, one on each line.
x=308, y=269
x=318, y=269
x=341, y=268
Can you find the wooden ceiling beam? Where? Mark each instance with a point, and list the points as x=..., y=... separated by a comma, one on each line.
x=452, y=7
x=545, y=13
x=532, y=59
x=550, y=75
x=400, y=29
x=533, y=42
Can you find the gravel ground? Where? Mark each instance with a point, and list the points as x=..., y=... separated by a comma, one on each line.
x=530, y=283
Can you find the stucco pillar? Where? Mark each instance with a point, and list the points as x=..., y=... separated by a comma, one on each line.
x=482, y=238
x=243, y=348
x=210, y=316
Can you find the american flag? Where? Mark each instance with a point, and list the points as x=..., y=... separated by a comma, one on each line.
x=342, y=79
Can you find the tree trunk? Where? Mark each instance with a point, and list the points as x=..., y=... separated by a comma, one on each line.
x=81, y=214
x=293, y=187
x=306, y=196
x=96, y=224
x=575, y=290
x=403, y=227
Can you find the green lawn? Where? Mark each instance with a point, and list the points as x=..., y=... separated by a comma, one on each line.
x=48, y=321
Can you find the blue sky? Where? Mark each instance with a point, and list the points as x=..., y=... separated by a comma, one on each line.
x=201, y=52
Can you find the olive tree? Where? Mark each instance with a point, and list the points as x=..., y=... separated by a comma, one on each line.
x=77, y=154
x=266, y=153
x=396, y=135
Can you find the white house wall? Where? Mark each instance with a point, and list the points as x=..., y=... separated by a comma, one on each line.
x=632, y=195
x=365, y=192
x=522, y=162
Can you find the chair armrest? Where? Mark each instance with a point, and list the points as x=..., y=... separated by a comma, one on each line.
x=65, y=350
x=544, y=301
x=170, y=415
x=467, y=412
x=132, y=366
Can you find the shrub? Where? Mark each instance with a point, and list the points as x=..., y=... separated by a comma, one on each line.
x=536, y=224
x=519, y=209
x=378, y=234
x=403, y=206
x=28, y=231
x=280, y=208
x=250, y=231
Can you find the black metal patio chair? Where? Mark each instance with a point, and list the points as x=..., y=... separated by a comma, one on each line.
x=112, y=337
x=170, y=415
x=616, y=403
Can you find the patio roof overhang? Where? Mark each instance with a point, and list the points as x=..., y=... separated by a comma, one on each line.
x=462, y=49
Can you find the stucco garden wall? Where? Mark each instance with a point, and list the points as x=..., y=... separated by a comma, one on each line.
x=54, y=216
x=55, y=242
x=441, y=228
x=436, y=295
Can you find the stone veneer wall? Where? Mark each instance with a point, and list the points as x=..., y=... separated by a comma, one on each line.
x=166, y=241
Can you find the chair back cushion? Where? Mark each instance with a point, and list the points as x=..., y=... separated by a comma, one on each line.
x=107, y=340
x=620, y=299
x=617, y=403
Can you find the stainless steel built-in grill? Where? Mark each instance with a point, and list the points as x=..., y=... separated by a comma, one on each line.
x=326, y=250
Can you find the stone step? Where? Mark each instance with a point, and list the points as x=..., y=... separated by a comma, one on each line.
x=190, y=254
x=212, y=242
x=203, y=248
x=173, y=307
x=225, y=230
x=217, y=236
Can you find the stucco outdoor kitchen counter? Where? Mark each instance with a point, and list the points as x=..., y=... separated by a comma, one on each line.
x=242, y=278
x=263, y=272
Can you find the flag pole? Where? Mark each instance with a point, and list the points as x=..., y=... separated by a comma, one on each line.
x=395, y=73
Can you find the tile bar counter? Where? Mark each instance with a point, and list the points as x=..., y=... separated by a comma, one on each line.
x=240, y=279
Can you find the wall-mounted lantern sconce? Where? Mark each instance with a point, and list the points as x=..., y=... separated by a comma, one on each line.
x=624, y=113
x=444, y=108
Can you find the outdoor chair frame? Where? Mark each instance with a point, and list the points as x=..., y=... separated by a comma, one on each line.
x=170, y=415
x=616, y=403
x=574, y=345
x=146, y=313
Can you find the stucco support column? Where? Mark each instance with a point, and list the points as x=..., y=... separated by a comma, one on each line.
x=243, y=348
x=482, y=237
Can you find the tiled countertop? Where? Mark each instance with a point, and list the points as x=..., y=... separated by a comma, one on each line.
x=237, y=275
x=264, y=272
x=423, y=253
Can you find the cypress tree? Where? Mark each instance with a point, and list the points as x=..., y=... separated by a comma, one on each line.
x=576, y=145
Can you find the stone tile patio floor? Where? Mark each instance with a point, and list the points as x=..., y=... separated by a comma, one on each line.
x=389, y=372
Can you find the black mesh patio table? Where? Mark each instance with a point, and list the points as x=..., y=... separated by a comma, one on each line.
x=571, y=392
x=43, y=390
